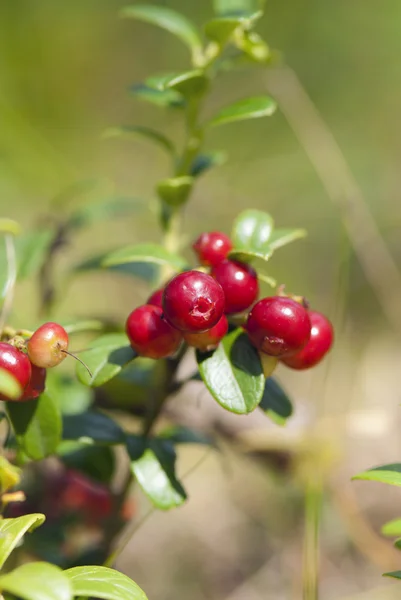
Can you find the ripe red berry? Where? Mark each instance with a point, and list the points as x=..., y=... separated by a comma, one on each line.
x=211, y=248
x=156, y=298
x=80, y=494
x=48, y=345
x=278, y=326
x=320, y=342
x=17, y=364
x=193, y=302
x=36, y=385
x=208, y=340
x=240, y=285
x=149, y=334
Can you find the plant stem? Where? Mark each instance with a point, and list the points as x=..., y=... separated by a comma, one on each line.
x=11, y=280
x=313, y=500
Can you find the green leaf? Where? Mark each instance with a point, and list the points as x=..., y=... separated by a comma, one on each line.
x=143, y=270
x=10, y=475
x=233, y=373
x=249, y=108
x=397, y=544
x=72, y=397
x=144, y=253
x=37, y=425
x=206, y=161
x=237, y=7
x=390, y=474
x=153, y=465
x=92, y=427
x=167, y=19
x=175, y=190
x=275, y=402
x=37, y=581
x=132, y=132
x=267, y=279
x=105, y=358
x=221, y=29
x=394, y=574
x=31, y=251
x=103, y=583
x=282, y=237
x=13, y=530
x=160, y=97
x=83, y=326
x=392, y=528
x=9, y=385
x=97, y=462
x=190, y=83
x=9, y=226
x=252, y=231
x=254, y=46
x=109, y=209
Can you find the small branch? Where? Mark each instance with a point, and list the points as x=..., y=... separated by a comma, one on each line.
x=11, y=280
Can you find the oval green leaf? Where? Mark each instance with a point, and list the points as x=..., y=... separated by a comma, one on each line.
x=175, y=190
x=221, y=29
x=37, y=581
x=133, y=132
x=390, y=474
x=282, y=237
x=92, y=427
x=144, y=270
x=249, y=108
x=83, y=326
x=252, y=231
x=392, y=528
x=145, y=253
x=37, y=425
x=109, y=209
x=104, y=583
x=12, y=531
x=233, y=373
x=167, y=19
x=105, y=359
x=159, y=97
x=96, y=462
x=238, y=7
x=275, y=402
x=9, y=385
x=189, y=84
x=153, y=465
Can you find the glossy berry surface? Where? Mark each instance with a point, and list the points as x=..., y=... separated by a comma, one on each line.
x=212, y=248
x=278, y=326
x=48, y=345
x=240, y=285
x=36, y=385
x=17, y=364
x=149, y=333
x=208, y=340
x=320, y=342
x=156, y=298
x=193, y=302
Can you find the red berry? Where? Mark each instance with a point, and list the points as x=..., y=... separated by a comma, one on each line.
x=149, y=334
x=48, y=345
x=208, y=340
x=17, y=364
x=320, y=342
x=193, y=302
x=80, y=494
x=240, y=285
x=212, y=248
x=36, y=385
x=156, y=298
x=278, y=326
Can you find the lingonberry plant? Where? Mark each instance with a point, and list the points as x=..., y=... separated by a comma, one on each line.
x=61, y=430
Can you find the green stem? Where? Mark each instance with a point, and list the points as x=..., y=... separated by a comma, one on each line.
x=313, y=500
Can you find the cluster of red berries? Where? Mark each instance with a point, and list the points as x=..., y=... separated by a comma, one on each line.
x=27, y=362
x=194, y=306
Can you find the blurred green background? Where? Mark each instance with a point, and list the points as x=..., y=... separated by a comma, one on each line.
x=65, y=68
